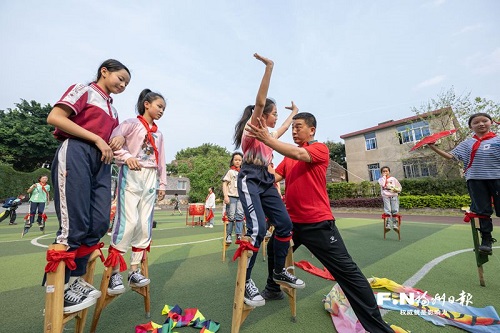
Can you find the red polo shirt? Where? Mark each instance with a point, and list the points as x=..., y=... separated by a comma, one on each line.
x=305, y=189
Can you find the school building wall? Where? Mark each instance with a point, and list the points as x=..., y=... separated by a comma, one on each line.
x=390, y=152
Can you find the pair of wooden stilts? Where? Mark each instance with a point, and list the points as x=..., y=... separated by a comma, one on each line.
x=385, y=219
x=225, y=245
x=240, y=309
x=55, y=318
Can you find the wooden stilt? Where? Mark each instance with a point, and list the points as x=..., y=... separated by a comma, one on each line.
x=106, y=298
x=385, y=217
x=55, y=319
x=225, y=246
x=289, y=291
x=481, y=258
x=240, y=309
x=266, y=240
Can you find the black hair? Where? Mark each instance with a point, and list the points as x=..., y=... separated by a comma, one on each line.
x=212, y=188
x=232, y=157
x=309, y=118
x=480, y=114
x=247, y=113
x=385, y=167
x=40, y=178
x=146, y=96
x=111, y=65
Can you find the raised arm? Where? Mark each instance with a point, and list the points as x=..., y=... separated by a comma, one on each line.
x=260, y=101
x=288, y=121
x=440, y=151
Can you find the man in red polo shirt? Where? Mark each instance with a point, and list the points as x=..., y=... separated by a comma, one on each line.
x=304, y=168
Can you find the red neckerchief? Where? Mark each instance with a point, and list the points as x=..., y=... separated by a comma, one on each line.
x=386, y=179
x=476, y=145
x=151, y=130
x=43, y=189
x=235, y=168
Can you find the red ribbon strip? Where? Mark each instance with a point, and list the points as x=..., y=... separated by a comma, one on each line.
x=54, y=257
x=244, y=246
x=84, y=250
x=114, y=258
x=470, y=215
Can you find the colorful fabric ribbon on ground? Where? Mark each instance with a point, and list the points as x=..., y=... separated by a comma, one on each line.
x=439, y=312
x=176, y=318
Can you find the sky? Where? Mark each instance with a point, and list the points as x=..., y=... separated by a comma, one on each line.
x=353, y=64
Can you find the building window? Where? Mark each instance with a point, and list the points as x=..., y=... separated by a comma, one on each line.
x=374, y=171
x=413, y=132
x=419, y=167
x=370, y=141
x=181, y=185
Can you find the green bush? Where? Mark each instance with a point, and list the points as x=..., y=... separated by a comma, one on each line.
x=407, y=202
x=434, y=201
x=352, y=190
x=421, y=186
x=16, y=182
x=434, y=186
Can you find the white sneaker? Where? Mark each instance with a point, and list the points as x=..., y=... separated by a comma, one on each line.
x=252, y=296
x=83, y=287
x=74, y=301
x=209, y=226
x=136, y=279
x=229, y=239
x=115, y=286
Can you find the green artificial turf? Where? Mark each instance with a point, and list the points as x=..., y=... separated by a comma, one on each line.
x=186, y=268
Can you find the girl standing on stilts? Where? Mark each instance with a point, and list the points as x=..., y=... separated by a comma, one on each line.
x=142, y=166
x=481, y=158
x=256, y=189
x=84, y=118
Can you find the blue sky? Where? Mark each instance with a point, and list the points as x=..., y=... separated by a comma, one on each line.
x=352, y=64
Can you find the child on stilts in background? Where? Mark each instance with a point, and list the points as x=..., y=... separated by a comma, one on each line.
x=390, y=188
x=81, y=172
x=256, y=189
x=142, y=166
x=39, y=198
x=234, y=210
x=176, y=205
x=481, y=158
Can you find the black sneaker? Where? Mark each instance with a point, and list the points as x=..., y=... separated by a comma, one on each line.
x=136, y=279
x=252, y=296
x=83, y=287
x=74, y=301
x=269, y=295
x=485, y=246
x=115, y=286
x=285, y=277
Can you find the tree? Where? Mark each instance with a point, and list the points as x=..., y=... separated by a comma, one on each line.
x=337, y=152
x=204, y=166
x=26, y=140
x=462, y=107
